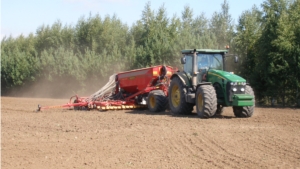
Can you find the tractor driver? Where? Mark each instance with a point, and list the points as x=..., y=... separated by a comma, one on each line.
x=203, y=62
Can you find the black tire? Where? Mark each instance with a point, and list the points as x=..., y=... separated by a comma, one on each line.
x=220, y=110
x=206, y=101
x=177, y=102
x=246, y=111
x=157, y=101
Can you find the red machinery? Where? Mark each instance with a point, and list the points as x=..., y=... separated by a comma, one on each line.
x=128, y=90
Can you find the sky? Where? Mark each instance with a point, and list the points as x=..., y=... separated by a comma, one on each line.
x=26, y=16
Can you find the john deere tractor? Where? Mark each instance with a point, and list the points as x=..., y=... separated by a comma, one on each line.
x=205, y=83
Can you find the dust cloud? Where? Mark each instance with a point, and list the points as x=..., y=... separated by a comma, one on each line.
x=58, y=88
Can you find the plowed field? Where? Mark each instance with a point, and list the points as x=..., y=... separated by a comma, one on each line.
x=140, y=139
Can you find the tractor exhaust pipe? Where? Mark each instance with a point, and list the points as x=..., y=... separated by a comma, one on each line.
x=195, y=71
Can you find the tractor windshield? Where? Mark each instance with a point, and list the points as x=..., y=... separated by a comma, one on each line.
x=212, y=61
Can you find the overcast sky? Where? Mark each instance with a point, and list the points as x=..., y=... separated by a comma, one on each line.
x=25, y=16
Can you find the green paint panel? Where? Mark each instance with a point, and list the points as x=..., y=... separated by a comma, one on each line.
x=225, y=75
x=221, y=78
x=243, y=100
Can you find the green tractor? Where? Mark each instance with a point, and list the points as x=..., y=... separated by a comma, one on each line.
x=205, y=83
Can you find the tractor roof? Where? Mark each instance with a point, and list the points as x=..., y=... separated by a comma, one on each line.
x=190, y=51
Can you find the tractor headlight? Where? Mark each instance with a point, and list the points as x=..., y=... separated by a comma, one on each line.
x=242, y=89
x=233, y=83
x=234, y=89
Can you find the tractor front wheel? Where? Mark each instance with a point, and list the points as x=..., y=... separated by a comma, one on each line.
x=157, y=101
x=246, y=111
x=206, y=101
x=177, y=102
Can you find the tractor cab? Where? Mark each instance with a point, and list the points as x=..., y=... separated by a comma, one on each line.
x=199, y=61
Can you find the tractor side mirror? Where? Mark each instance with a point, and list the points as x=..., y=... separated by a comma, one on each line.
x=183, y=60
x=236, y=59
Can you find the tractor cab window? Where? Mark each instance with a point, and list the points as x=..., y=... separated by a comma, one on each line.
x=188, y=66
x=211, y=61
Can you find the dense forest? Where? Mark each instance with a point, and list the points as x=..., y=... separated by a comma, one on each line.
x=84, y=55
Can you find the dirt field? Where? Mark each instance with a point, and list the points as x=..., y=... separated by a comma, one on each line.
x=140, y=139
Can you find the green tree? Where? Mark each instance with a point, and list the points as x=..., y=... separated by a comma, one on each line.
x=272, y=65
x=19, y=63
x=157, y=39
x=287, y=44
x=248, y=32
x=222, y=26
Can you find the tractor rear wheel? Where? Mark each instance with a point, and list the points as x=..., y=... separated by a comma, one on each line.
x=157, y=101
x=177, y=102
x=206, y=101
x=246, y=111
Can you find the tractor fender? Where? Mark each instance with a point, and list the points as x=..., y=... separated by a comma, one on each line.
x=203, y=83
x=183, y=77
x=189, y=97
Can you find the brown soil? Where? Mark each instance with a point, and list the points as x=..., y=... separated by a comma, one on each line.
x=140, y=139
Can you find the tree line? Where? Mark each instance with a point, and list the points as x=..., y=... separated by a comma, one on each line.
x=87, y=53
